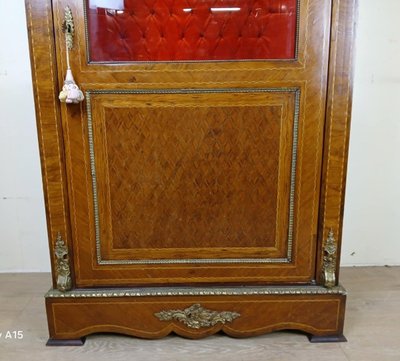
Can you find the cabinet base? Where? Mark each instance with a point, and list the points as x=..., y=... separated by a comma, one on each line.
x=325, y=339
x=195, y=313
x=66, y=342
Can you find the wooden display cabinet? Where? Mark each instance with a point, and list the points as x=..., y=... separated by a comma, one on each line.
x=199, y=185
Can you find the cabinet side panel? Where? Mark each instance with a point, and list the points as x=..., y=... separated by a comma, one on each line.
x=337, y=128
x=45, y=86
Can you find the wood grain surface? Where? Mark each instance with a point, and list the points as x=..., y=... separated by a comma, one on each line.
x=241, y=216
x=184, y=169
x=74, y=318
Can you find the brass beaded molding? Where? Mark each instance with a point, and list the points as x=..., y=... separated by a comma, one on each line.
x=287, y=259
x=197, y=291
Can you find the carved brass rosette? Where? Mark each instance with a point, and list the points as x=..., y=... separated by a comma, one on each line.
x=63, y=271
x=197, y=316
x=329, y=261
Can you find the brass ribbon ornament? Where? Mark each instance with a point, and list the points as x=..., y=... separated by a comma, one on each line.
x=70, y=93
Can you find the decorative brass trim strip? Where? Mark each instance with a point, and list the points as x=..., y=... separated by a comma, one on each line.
x=197, y=316
x=329, y=261
x=296, y=50
x=135, y=62
x=86, y=26
x=192, y=261
x=63, y=271
x=288, y=257
x=197, y=291
x=293, y=175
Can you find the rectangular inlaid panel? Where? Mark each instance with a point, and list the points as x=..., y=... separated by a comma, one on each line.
x=187, y=172
x=193, y=176
x=178, y=30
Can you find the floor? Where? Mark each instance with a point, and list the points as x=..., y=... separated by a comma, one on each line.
x=372, y=329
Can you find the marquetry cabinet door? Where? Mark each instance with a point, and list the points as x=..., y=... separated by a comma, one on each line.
x=194, y=160
x=196, y=155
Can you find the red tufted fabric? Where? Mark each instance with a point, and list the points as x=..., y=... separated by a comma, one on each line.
x=168, y=30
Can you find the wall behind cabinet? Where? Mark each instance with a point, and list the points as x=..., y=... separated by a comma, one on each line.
x=23, y=235
x=372, y=213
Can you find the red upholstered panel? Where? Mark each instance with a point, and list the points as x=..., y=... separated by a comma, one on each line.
x=169, y=30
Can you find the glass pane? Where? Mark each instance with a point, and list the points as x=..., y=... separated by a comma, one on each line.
x=189, y=30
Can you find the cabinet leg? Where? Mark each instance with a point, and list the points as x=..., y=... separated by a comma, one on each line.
x=67, y=342
x=330, y=338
